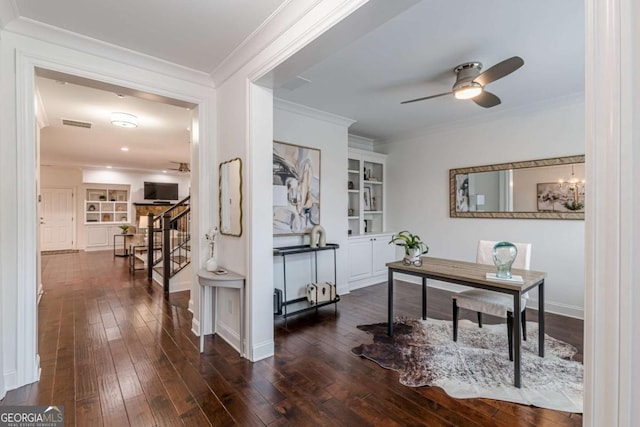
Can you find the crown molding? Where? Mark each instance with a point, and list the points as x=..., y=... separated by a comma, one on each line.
x=361, y=142
x=490, y=117
x=8, y=12
x=68, y=39
x=287, y=14
x=292, y=107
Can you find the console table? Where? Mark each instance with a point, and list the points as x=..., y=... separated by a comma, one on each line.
x=474, y=275
x=299, y=305
x=209, y=280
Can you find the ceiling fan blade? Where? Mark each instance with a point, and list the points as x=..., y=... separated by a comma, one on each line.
x=500, y=70
x=426, y=97
x=487, y=100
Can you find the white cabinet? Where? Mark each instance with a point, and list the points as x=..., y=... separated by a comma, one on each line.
x=100, y=237
x=106, y=204
x=365, y=188
x=368, y=256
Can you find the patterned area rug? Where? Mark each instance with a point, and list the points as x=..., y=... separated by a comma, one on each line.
x=423, y=352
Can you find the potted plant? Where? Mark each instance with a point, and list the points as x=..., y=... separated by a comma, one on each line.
x=413, y=246
x=124, y=228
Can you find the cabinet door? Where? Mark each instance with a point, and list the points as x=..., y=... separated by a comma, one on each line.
x=97, y=236
x=382, y=253
x=359, y=259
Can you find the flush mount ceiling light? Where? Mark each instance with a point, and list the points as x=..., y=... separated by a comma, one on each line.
x=124, y=120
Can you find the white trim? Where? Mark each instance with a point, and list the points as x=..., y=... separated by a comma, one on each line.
x=8, y=12
x=190, y=307
x=40, y=293
x=315, y=23
x=195, y=327
x=41, y=112
x=281, y=19
x=26, y=207
x=262, y=350
x=360, y=142
x=67, y=39
x=292, y=107
x=231, y=336
x=30, y=54
x=611, y=349
x=10, y=380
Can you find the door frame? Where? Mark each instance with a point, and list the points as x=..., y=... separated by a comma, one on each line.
x=115, y=71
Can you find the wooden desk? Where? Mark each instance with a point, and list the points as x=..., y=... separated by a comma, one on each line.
x=474, y=275
x=209, y=280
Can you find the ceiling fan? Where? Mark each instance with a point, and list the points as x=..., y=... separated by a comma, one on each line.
x=182, y=167
x=470, y=82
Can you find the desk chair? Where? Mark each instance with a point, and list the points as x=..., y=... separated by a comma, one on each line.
x=494, y=303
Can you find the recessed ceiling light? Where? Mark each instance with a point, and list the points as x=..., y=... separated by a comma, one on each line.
x=124, y=149
x=109, y=166
x=124, y=120
x=119, y=95
x=164, y=171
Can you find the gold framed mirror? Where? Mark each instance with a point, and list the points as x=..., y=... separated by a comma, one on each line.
x=535, y=189
x=230, y=197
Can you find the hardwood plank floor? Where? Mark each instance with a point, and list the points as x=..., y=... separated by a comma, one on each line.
x=115, y=351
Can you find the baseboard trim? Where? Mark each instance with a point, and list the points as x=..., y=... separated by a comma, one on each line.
x=229, y=335
x=195, y=327
x=40, y=293
x=262, y=350
x=190, y=308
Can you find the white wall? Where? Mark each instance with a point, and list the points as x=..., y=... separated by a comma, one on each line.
x=19, y=55
x=556, y=129
x=295, y=124
x=136, y=181
x=79, y=179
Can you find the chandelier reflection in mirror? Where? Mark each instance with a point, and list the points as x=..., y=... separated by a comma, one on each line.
x=576, y=187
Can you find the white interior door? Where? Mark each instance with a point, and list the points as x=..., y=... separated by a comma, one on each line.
x=56, y=219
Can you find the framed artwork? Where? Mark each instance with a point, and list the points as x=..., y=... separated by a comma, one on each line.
x=556, y=197
x=462, y=192
x=367, y=199
x=296, y=188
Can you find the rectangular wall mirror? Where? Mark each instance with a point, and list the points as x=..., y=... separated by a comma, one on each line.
x=535, y=189
x=230, y=197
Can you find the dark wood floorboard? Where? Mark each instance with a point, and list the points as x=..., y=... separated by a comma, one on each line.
x=115, y=351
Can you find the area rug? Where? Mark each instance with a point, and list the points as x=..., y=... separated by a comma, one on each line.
x=424, y=354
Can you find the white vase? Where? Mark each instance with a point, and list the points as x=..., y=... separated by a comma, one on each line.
x=212, y=264
x=412, y=254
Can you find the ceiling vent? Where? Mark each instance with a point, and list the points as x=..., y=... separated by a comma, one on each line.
x=76, y=123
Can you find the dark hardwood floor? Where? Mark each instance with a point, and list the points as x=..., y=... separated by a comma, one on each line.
x=115, y=351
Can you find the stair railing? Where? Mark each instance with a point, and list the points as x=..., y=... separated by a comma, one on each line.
x=169, y=236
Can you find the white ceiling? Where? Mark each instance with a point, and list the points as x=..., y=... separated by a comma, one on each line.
x=162, y=134
x=197, y=34
x=413, y=55
x=408, y=56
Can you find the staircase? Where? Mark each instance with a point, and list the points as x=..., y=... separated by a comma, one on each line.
x=170, y=236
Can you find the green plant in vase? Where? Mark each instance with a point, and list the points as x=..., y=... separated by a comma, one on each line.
x=124, y=228
x=413, y=247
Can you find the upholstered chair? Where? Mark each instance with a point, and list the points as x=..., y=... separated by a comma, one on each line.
x=494, y=303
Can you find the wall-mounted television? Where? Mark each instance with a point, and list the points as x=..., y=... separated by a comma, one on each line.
x=160, y=191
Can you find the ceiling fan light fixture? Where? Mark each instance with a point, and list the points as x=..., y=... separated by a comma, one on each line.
x=468, y=92
x=124, y=120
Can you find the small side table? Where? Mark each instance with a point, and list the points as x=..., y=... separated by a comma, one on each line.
x=209, y=280
x=124, y=251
